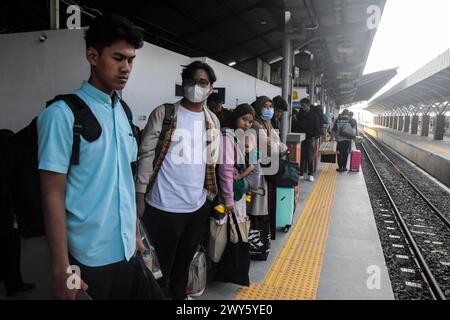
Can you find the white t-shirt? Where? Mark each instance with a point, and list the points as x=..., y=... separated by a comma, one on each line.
x=179, y=185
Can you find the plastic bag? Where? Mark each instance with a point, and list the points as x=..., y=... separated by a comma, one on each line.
x=197, y=274
x=149, y=255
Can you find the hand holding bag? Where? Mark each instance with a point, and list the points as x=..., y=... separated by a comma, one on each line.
x=218, y=237
x=235, y=263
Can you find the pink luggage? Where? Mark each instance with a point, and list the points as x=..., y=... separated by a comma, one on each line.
x=355, y=160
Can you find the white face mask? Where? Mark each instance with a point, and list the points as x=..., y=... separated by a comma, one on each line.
x=196, y=93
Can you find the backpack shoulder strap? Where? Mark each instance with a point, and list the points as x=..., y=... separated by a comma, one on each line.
x=127, y=110
x=169, y=112
x=129, y=114
x=80, y=112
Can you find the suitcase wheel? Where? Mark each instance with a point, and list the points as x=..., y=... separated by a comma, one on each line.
x=286, y=229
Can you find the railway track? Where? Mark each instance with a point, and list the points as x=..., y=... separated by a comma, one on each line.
x=425, y=228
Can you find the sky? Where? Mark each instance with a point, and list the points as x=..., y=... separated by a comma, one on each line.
x=410, y=34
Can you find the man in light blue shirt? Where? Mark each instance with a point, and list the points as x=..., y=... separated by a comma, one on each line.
x=89, y=207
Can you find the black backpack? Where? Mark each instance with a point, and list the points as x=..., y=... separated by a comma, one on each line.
x=22, y=162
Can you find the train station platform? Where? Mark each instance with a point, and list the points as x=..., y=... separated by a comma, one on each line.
x=431, y=155
x=332, y=252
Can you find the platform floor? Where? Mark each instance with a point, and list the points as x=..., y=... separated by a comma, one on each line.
x=439, y=147
x=331, y=252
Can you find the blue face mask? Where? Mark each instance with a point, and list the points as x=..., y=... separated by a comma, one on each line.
x=267, y=114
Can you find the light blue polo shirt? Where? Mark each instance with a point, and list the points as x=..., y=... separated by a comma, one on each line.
x=100, y=194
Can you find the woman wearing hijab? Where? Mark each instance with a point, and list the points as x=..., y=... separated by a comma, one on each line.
x=229, y=171
x=233, y=163
x=262, y=209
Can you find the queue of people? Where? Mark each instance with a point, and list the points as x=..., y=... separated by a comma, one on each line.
x=191, y=155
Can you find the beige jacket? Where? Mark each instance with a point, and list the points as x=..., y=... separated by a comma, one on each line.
x=150, y=137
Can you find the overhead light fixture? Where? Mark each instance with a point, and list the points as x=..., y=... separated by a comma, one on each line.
x=263, y=22
x=232, y=63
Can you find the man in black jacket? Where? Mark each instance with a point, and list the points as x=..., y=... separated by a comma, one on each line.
x=344, y=143
x=308, y=123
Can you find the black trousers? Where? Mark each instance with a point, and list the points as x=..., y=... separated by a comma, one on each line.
x=176, y=237
x=307, y=157
x=10, y=265
x=343, y=147
x=110, y=282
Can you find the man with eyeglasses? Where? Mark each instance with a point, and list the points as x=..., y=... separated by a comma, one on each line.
x=176, y=180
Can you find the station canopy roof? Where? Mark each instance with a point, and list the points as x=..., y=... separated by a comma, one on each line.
x=338, y=33
x=425, y=91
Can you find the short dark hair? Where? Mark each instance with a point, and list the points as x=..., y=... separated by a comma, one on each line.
x=345, y=112
x=305, y=100
x=189, y=70
x=279, y=103
x=214, y=98
x=107, y=29
x=351, y=113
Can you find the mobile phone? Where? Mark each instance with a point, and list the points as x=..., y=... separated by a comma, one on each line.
x=82, y=295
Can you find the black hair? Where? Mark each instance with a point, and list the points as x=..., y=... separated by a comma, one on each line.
x=189, y=70
x=239, y=111
x=214, y=98
x=279, y=103
x=107, y=29
x=305, y=100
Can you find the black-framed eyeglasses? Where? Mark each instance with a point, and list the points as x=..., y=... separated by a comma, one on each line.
x=192, y=82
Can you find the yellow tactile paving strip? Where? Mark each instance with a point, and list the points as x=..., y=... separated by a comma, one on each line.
x=295, y=274
x=436, y=148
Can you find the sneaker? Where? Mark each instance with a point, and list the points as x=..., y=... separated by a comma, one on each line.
x=311, y=178
x=189, y=298
x=339, y=170
x=345, y=169
x=197, y=294
x=302, y=177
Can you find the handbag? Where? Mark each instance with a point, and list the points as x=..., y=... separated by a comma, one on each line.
x=235, y=263
x=218, y=237
x=259, y=237
x=288, y=174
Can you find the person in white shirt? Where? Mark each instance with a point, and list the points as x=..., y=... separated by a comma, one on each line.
x=175, y=182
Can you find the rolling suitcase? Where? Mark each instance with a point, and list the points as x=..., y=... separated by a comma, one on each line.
x=285, y=208
x=355, y=160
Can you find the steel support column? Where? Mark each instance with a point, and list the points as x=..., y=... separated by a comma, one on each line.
x=286, y=87
x=414, y=124
x=425, y=126
x=54, y=14
x=312, y=87
x=400, y=123
x=440, y=127
x=407, y=122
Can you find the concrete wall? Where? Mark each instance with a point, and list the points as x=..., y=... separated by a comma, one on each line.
x=33, y=72
x=432, y=163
